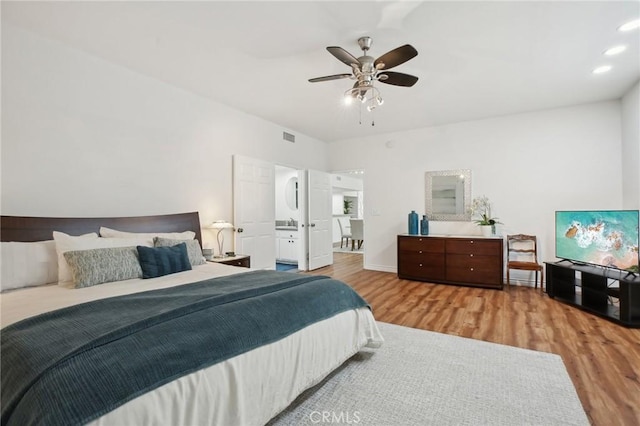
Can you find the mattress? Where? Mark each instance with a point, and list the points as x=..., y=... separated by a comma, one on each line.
x=250, y=388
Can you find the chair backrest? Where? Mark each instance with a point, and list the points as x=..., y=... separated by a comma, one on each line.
x=357, y=229
x=522, y=247
x=345, y=227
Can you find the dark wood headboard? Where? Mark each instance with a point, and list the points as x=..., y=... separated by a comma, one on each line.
x=23, y=228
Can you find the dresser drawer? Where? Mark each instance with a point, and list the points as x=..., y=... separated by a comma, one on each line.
x=422, y=256
x=474, y=246
x=244, y=262
x=430, y=268
x=421, y=244
x=239, y=260
x=476, y=269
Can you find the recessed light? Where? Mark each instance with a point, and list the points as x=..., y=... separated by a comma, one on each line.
x=602, y=69
x=631, y=25
x=615, y=50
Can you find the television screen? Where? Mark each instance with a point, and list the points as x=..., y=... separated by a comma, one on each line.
x=605, y=238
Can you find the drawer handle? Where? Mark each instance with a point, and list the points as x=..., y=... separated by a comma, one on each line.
x=420, y=251
x=420, y=265
x=471, y=255
x=471, y=241
x=471, y=269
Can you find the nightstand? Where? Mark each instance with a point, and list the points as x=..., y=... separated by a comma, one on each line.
x=242, y=260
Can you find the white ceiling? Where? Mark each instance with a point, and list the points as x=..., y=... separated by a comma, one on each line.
x=476, y=59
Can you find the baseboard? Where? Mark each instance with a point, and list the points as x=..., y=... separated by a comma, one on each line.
x=381, y=268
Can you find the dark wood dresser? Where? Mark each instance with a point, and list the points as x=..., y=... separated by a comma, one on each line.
x=471, y=261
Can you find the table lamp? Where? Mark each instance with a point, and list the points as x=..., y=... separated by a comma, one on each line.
x=220, y=225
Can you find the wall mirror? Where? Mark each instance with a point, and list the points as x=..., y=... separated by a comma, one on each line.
x=291, y=193
x=448, y=194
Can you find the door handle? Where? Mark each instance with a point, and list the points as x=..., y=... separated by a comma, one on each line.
x=240, y=230
x=312, y=225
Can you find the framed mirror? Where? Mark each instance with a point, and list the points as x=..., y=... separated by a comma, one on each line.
x=448, y=194
x=291, y=193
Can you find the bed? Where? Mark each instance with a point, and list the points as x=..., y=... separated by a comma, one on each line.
x=211, y=344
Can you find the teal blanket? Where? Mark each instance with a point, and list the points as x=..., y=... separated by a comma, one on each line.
x=75, y=364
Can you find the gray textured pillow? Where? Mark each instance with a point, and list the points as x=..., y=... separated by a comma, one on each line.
x=102, y=265
x=193, y=248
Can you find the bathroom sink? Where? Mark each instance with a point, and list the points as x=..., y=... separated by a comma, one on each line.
x=286, y=228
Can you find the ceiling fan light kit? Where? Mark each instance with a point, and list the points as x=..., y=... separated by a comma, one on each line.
x=367, y=70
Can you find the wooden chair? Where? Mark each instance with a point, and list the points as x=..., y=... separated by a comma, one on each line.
x=522, y=254
x=345, y=231
x=357, y=233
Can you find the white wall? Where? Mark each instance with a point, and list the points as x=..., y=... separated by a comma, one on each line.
x=529, y=165
x=631, y=148
x=84, y=137
x=346, y=182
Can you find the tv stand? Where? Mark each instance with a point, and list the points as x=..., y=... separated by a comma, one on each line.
x=596, y=292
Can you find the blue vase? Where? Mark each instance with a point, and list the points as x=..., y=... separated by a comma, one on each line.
x=413, y=223
x=424, y=225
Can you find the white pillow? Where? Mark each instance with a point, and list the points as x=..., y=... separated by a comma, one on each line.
x=65, y=243
x=112, y=233
x=28, y=264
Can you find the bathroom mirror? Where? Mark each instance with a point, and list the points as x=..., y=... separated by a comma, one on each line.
x=291, y=193
x=448, y=194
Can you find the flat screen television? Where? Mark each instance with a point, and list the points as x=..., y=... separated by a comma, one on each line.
x=607, y=238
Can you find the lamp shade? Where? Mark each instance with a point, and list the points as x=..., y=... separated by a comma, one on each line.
x=221, y=224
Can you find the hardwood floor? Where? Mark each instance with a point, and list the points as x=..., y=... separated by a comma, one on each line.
x=602, y=358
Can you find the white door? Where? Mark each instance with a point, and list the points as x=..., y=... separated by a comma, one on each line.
x=303, y=234
x=254, y=210
x=319, y=223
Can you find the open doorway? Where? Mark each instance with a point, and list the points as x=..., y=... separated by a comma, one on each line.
x=302, y=219
x=287, y=203
x=348, y=212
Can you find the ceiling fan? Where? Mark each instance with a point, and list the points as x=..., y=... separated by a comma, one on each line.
x=366, y=70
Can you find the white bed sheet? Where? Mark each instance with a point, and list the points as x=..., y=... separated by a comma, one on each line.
x=248, y=389
x=16, y=305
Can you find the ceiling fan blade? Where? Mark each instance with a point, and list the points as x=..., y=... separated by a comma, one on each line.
x=397, y=78
x=395, y=57
x=342, y=55
x=329, y=77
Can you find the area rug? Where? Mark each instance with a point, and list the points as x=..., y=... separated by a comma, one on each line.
x=424, y=378
x=286, y=267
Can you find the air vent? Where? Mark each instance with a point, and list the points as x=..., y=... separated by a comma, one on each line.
x=288, y=137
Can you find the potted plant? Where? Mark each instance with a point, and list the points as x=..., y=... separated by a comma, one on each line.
x=481, y=210
x=347, y=206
